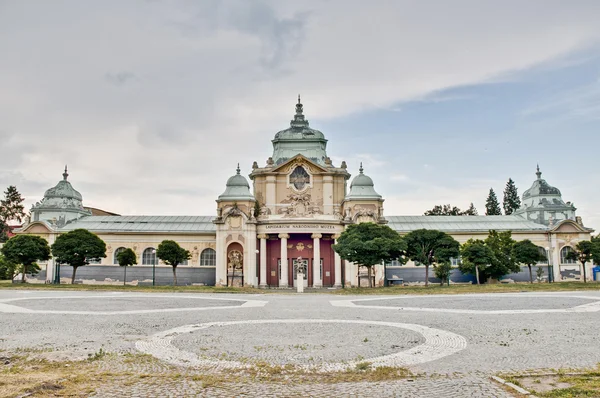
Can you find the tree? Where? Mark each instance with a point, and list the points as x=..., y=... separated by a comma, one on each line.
x=448, y=210
x=125, y=259
x=596, y=249
x=367, y=244
x=503, y=261
x=172, y=254
x=445, y=210
x=430, y=247
x=26, y=250
x=11, y=209
x=471, y=211
x=583, y=253
x=511, y=201
x=526, y=252
x=8, y=269
x=492, y=207
x=477, y=256
x=77, y=248
x=442, y=272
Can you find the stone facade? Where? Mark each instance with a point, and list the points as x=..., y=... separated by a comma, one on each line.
x=297, y=207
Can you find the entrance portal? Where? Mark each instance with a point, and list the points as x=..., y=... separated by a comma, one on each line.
x=300, y=264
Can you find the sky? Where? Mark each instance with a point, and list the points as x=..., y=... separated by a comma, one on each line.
x=153, y=103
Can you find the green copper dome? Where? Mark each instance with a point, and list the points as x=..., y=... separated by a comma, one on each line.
x=299, y=138
x=237, y=188
x=61, y=196
x=362, y=187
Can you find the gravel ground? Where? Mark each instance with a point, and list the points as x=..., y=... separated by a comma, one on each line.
x=494, y=342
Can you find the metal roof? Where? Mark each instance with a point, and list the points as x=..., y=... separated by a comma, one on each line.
x=204, y=224
x=181, y=224
x=463, y=223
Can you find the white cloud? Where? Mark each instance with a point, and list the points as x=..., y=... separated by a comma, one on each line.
x=152, y=104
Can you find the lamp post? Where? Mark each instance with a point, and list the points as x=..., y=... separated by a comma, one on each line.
x=153, y=267
x=550, y=270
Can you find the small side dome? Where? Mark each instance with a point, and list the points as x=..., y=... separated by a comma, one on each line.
x=237, y=188
x=540, y=187
x=61, y=196
x=362, y=187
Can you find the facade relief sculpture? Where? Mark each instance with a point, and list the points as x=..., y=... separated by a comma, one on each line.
x=300, y=205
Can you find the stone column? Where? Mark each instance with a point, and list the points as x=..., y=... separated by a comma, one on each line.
x=283, y=278
x=251, y=278
x=263, y=260
x=50, y=266
x=221, y=259
x=317, y=281
x=338, y=266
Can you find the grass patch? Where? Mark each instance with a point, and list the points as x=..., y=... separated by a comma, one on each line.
x=23, y=376
x=391, y=290
x=467, y=289
x=561, y=383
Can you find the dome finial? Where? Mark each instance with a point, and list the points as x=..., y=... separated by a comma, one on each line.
x=65, y=174
x=299, y=99
x=238, y=169
x=538, y=173
x=360, y=169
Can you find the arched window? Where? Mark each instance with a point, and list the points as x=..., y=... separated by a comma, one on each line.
x=119, y=250
x=544, y=254
x=563, y=255
x=149, y=256
x=208, y=258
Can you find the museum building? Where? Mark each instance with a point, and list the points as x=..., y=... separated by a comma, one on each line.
x=298, y=205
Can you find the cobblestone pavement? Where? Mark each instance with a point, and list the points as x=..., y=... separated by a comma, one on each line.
x=493, y=342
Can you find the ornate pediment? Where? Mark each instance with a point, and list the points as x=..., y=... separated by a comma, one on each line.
x=300, y=160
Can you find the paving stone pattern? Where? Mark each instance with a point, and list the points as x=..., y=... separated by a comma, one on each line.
x=495, y=342
x=497, y=302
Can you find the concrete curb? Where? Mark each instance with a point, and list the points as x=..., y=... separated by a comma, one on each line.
x=518, y=389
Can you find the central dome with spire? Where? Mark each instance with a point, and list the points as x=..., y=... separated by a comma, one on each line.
x=299, y=138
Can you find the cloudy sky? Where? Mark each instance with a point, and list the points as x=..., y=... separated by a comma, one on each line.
x=153, y=103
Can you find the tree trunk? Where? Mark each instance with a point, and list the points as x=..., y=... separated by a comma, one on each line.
x=175, y=276
x=125, y=276
x=584, y=276
x=23, y=271
x=369, y=276
x=477, y=274
x=73, y=276
x=426, y=275
x=530, y=274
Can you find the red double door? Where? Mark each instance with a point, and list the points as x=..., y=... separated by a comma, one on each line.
x=300, y=246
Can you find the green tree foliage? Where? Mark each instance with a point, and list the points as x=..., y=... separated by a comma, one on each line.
x=527, y=252
x=596, y=249
x=126, y=258
x=539, y=273
x=8, y=269
x=11, y=209
x=503, y=261
x=476, y=256
x=471, y=211
x=583, y=252
x=26, y=250
x=492, y=207
x=442, y=272
x=367, y=244
x=511, y=201
x=448, y=210
x=77, y=248
x=172, y=254
x=430, y=247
